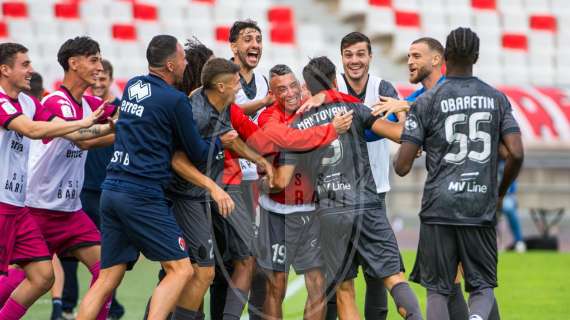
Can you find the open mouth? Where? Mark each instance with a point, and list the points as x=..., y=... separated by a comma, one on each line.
x=253, y=56
x=413, y=71
x=357, y=67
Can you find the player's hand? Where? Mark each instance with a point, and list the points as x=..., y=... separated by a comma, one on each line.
x=268, y=100
x=93, y=118
x=228, y=138
x=419, y=154
x=342, y=122
x=112, y=123
x=264, y=166
x=386, y=106
x=313, y=102
x=225, y=203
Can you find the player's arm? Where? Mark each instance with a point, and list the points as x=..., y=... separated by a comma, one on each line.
x=281, y=179
x=388, y=129
x=196, y=148
x=184, y=168
x=251, y=108
x=513, y=162
x=405, y=157
x=244, y=151
x=51, y=129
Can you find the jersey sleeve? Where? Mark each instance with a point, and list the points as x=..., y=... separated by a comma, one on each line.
x=196, y=148
x=386, y=89
x=508, y=122
x=364, y=114
x=8, y=112
x=42, y=113
x=298, y=140
x=59, y=107
x=418, y=119
x=109, y=110
x=242, y=123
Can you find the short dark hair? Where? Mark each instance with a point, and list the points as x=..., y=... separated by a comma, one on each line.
x=354, y=38
x=78, y=46
x=8, y=52
x=196, y=54
x=319, y=74
x=36, y=85
x=216, y=67
x=433, y=44
x=462, y=47
x=160, y=48
x=239, y=25
x=279, y=70
x=107, y=67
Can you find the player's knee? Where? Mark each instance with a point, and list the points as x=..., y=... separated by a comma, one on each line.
x=180, y=269
x=276, y=285
x=244, y=265
x=391, y=281
x=42, y=278
x=315, y=281
x=205, y=275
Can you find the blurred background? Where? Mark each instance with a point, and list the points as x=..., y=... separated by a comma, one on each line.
x=525, y=52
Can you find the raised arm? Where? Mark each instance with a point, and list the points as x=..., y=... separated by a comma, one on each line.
x=244, y=151
x=388, y=129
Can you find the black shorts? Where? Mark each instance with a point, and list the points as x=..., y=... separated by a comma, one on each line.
x=359, y=238
x=194, y=218
x=442, y=247
x=234, y=234
x=289, y=239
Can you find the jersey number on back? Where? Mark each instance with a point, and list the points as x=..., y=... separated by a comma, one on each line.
x=474, y=135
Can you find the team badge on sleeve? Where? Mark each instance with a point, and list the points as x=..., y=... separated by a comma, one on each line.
x=182, y=243
x=7, y=106
x=411, y=122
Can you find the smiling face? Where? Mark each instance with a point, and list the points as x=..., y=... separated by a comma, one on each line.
x=287, y=91
x=420, y=62
x=356, y=60
x=101, y=87
x=20, y=72
x=87, y=67
x=248, y=48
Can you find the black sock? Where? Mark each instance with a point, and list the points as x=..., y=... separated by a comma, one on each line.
x=332, y=312
x=480, y=304
x=494, y=315
x=235, y=301
x=185, y=314
x=56, y=309
x=257, y=295
x=376, y=300
x=405, y=299
x=437, y=306
x=456, y=304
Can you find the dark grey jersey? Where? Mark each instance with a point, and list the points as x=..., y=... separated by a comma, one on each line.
x=210, y=125
x=343, y=179
x=460, y=124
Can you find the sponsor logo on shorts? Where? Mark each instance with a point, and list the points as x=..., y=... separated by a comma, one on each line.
x=182, y=244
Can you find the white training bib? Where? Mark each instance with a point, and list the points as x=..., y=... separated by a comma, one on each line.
x=248, y=169
x=56, y=169
x=14, y=155
x=378, y=151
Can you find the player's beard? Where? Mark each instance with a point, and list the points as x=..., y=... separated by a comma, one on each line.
x=242, y=56
x=423, y=73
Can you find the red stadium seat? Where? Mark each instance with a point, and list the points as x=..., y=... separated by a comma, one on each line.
x=206, y=1
x=124, y=32
x=380, y=3
x=222, y=33
x=15, y=9
x=543, y=23
x=407, y=19
x=143, y=11
x=515, y=41
x=484, y=4
x=67, y=10
x=282, y=34
x=3, y=30
x=280, y=14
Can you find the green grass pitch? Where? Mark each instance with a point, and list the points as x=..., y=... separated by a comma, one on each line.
x=532, y=286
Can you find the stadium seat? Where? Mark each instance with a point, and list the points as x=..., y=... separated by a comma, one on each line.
x=4, y=32
x=124, y=32
x=280, y=14
x=226, y=13
x=222, y=33
x=515, y=41
x=120, y=12
x=41, y=10
x=176, y=12
x=282, y=34
x=560, y=7
x=204, y=33
x=507, y=6
x=348, y=9
x=486, y=20
x=70, y=29
x=489, y=40
x=516, y=21
x=405, y=5
x=14, y=9
x=380, y=21
x=66, y=10
x=433, y=20
x=92, y=10
x=459, y=17
x=146, y=12
x=484, y=4
x=541, y=68
x=146, y=30
x=534, y=6
x=431, y=5
x=21, y=29
x=457, y=5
